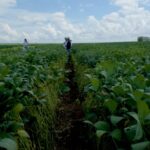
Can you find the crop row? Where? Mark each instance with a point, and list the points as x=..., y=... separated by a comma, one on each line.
x=29, y=88
x=116, y=85
x=113, y=80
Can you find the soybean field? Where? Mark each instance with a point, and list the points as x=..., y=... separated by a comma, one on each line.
x=98, y=98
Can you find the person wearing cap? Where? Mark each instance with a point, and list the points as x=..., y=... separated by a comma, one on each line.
x=67, y=45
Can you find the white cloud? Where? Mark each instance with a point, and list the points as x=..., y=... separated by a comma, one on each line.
x=7, y=33
x=129, y=21
x=8, y=30
x=126, y=3
x=144, y=2
x=7, y=3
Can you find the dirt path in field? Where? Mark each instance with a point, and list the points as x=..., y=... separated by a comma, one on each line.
x=70, y=131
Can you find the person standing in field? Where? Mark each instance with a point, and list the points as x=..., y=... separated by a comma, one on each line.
x=25, y=44
x=68, y=45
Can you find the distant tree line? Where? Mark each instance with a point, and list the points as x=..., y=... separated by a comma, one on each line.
x=143, y=39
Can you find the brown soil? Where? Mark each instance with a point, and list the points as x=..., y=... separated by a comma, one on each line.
x=73, y=94
x=68, y=116
x=70, y=131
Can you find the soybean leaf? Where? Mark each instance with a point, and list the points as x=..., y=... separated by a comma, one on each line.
x=88, y=122
x=139, y=130
x=91, y=116
x=139, y=81
x=14, y=126
x=138, y=94
x=108, y=66
x=23, y=133
x=130, y=132
x=111, y=105
x=89, y=76
x=8, y=144
x=116, y=119
x=143, y=110
x=100, y=133
x=95, y=83
x=119, y=90
x=147, y=118
x=147, y=95
x=104, y=74
x=141, y=146
x=147, y=68
x=102, y=125
x=18, y=108
x=116, y=134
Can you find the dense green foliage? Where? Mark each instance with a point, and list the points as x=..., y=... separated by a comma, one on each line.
x=115, y=79
x=29, y=94
x=114, y=82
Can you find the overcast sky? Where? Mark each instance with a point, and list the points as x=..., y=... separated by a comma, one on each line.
x=82, y=20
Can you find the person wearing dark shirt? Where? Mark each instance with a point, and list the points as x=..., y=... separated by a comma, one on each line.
x=68, y=45
x=25, y=44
